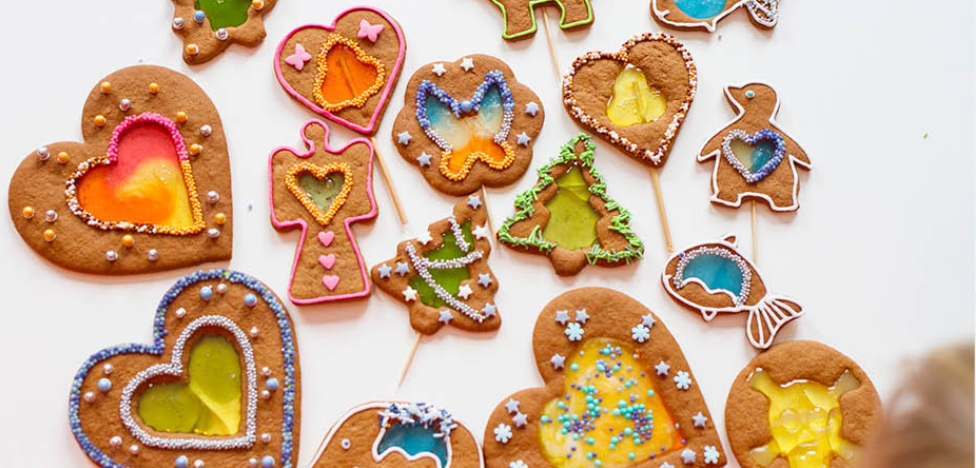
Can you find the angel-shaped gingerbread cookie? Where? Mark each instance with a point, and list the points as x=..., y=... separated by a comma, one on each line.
x=324, y=191
x=443, y=275
x=753, y=157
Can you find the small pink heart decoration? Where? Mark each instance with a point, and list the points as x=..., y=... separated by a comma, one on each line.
x=383, y=40
x=326, y=238
x=330, y=281
x=327, y=261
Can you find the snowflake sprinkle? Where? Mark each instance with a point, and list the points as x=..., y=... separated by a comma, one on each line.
x=682, y=380
x=574, y=332
x=640, y=333
x=503, y=433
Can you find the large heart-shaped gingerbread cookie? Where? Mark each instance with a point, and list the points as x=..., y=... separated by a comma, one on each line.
x=618, y=392
x=220, y=383
x=346, y=71
x=635, y=98
x=148, y=190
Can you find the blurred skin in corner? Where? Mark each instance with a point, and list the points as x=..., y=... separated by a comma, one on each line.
x=930, y=417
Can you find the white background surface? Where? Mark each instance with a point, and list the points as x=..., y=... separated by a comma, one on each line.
x=880, y=254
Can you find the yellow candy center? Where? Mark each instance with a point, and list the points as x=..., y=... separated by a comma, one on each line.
x=634, y=101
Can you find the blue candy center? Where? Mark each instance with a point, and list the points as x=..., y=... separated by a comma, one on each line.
x=701, y=9
x=716, y=272
x=414, y=440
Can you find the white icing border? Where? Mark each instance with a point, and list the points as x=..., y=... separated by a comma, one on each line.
x=793, y=160
x=772, y=310
x=175, y=368
x=382, y=405
x=711, y=23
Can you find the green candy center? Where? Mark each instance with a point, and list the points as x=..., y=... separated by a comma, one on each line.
x=449, y=279
x=322, y=191
x=224, y=13
x=572, y=220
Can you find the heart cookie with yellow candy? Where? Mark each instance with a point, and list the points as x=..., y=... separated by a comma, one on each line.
x=618, y=392
x=635, y=98
x=148, y=190
x=218, y=386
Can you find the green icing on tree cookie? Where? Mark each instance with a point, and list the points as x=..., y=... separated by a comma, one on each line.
x=572, y=218
x=449, y=279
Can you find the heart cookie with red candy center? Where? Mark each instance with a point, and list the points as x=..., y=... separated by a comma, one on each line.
x=649, y=84
x=220, y=382
x=346, y=71
x=148, y=189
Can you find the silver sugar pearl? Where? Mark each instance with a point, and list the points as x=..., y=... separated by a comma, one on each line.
x=198, y=464
x=252, y=463
x=222, y=34
x=51, y=216
x=266, y=371
x=111, y=256
x=265, y=394
x=221, y=288
x=213, y=197
x=125, y=105
x=266, y=438
x=115, y=442
x=255, y=332
x=206, y=130
x=89, y=397
x=152, y=255
x=134, y=449
x=178, y=23
x=43, y=153
x=180, y=313
x=213, y=233
x=107, y=369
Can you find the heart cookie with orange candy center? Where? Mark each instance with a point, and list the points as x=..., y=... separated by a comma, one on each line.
x=148, y=190
x=635, y=98
x=220, y=384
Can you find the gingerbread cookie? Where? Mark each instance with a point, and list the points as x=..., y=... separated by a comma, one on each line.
x=219, y=385
x=399, y=435
x=467, y=124
x=443, y=276
x=519, y=15
x=750, y=151
x=569, y=218
x=148, y=190
x=345, y=71
x=705, y=14
x=714, y=278
x=801, y=404
x=636, y=98
x=323, y=189
x=207, y=27
x=618, y=393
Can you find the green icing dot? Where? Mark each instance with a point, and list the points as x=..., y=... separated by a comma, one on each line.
x=449, y=279
x=209, y=404
x=322, y=191
x=224, y=13
x=572, y=221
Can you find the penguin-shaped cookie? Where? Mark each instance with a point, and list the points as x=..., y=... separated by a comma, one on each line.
x=753, y=157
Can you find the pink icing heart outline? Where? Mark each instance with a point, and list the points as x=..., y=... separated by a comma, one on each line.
x=327, y=237
x=387, y=88
x=327, y=261
x=330, y=281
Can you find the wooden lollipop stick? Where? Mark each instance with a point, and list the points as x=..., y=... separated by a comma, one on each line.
x=389, y=182
x=662, y=212
x=406, y=366
x=484, y=199
x=552, y=46
x=755, y=236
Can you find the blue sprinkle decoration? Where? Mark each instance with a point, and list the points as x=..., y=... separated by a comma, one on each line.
x=250, y=300
x=104, y=385
x=158, y=348
x=206, y=293
x=272, y=384
x=182, y=461
x=199, y=16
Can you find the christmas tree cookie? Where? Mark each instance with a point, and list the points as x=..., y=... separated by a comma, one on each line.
x=618, y=393
x=443, y=275
x=569, y=218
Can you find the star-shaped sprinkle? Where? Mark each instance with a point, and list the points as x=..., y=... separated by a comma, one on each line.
x=503, y=433
x=404, y=138
x=385, y=270
x=699, y=420
x=489, y=310
x=369, y=31
x=688, y=457
x=562, y=316
x=532, y=109
x=523, y=139
x=481, y=232
x=512, y=406
x=574, y=332
x=711, y=455
x=558, y=361
x=484, y=279
x=467, y=64
x=662, y=368
x=445, y=316
x=299, y=58
x=402, y=268
x=640, y=333
x=647, y=320
x=410, y=294
x=682, y=380
x=518, y=464
x=424, y=238
x=464, y=292
x=582, y=316
x=474, y=202
x=520, y=419
x=423, y=159
x=439, y=69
